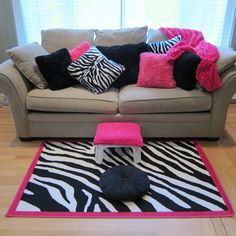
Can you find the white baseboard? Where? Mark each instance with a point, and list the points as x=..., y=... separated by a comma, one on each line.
x=3, y=100
x=234, y=98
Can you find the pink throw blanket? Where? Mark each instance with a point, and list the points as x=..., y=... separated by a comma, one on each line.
x=193, y=41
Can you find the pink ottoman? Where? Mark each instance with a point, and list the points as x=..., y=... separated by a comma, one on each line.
x=118, y=134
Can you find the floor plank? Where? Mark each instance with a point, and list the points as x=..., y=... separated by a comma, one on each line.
x=15, y=158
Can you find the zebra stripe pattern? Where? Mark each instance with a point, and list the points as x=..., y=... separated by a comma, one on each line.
x=65, y=179
x=164, y=46
x=94, y=71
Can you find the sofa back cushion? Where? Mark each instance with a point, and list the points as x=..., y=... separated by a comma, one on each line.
x=121, y=36
x=73, y=100
x=155, y=35
x=54, y=39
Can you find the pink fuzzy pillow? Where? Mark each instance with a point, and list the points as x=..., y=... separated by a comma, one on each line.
x=79, y=50
x=155, y=71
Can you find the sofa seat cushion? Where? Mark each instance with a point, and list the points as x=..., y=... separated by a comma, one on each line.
x=133, y=99
x=73, y=99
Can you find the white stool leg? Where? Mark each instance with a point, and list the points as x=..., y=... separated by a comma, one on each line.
x=99, y=153
x=137, y=154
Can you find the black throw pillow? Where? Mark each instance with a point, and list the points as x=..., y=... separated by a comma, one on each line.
x=54, y=68
x=185, y=69
x=124, y=183
x=128, y=56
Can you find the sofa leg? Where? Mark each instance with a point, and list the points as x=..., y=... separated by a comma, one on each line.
x=212, y=139
x=25, y=139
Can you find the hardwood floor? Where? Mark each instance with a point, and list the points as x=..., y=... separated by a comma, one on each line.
x=15, y=157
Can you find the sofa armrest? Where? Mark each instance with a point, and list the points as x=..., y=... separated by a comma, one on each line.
x=221, y=100
x=15, y=87
x=226, y=60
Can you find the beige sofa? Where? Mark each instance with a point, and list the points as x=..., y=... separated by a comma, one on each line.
x=74, y=112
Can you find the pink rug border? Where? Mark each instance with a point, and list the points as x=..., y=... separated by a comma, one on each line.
x=203, y=214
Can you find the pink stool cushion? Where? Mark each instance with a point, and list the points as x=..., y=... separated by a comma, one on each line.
x=118, y=133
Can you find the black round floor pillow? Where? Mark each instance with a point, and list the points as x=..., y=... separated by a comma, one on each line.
x=125, y=183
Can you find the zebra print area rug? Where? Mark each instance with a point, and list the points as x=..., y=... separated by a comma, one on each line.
x=63, y=182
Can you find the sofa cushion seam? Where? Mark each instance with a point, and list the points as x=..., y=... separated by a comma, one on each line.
x=70, y=99
x=162, y=99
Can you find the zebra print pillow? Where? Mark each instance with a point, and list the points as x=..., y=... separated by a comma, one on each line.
x=94, y=71
x=164, y=46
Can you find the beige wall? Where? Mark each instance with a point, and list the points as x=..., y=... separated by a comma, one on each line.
x=7, y=28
